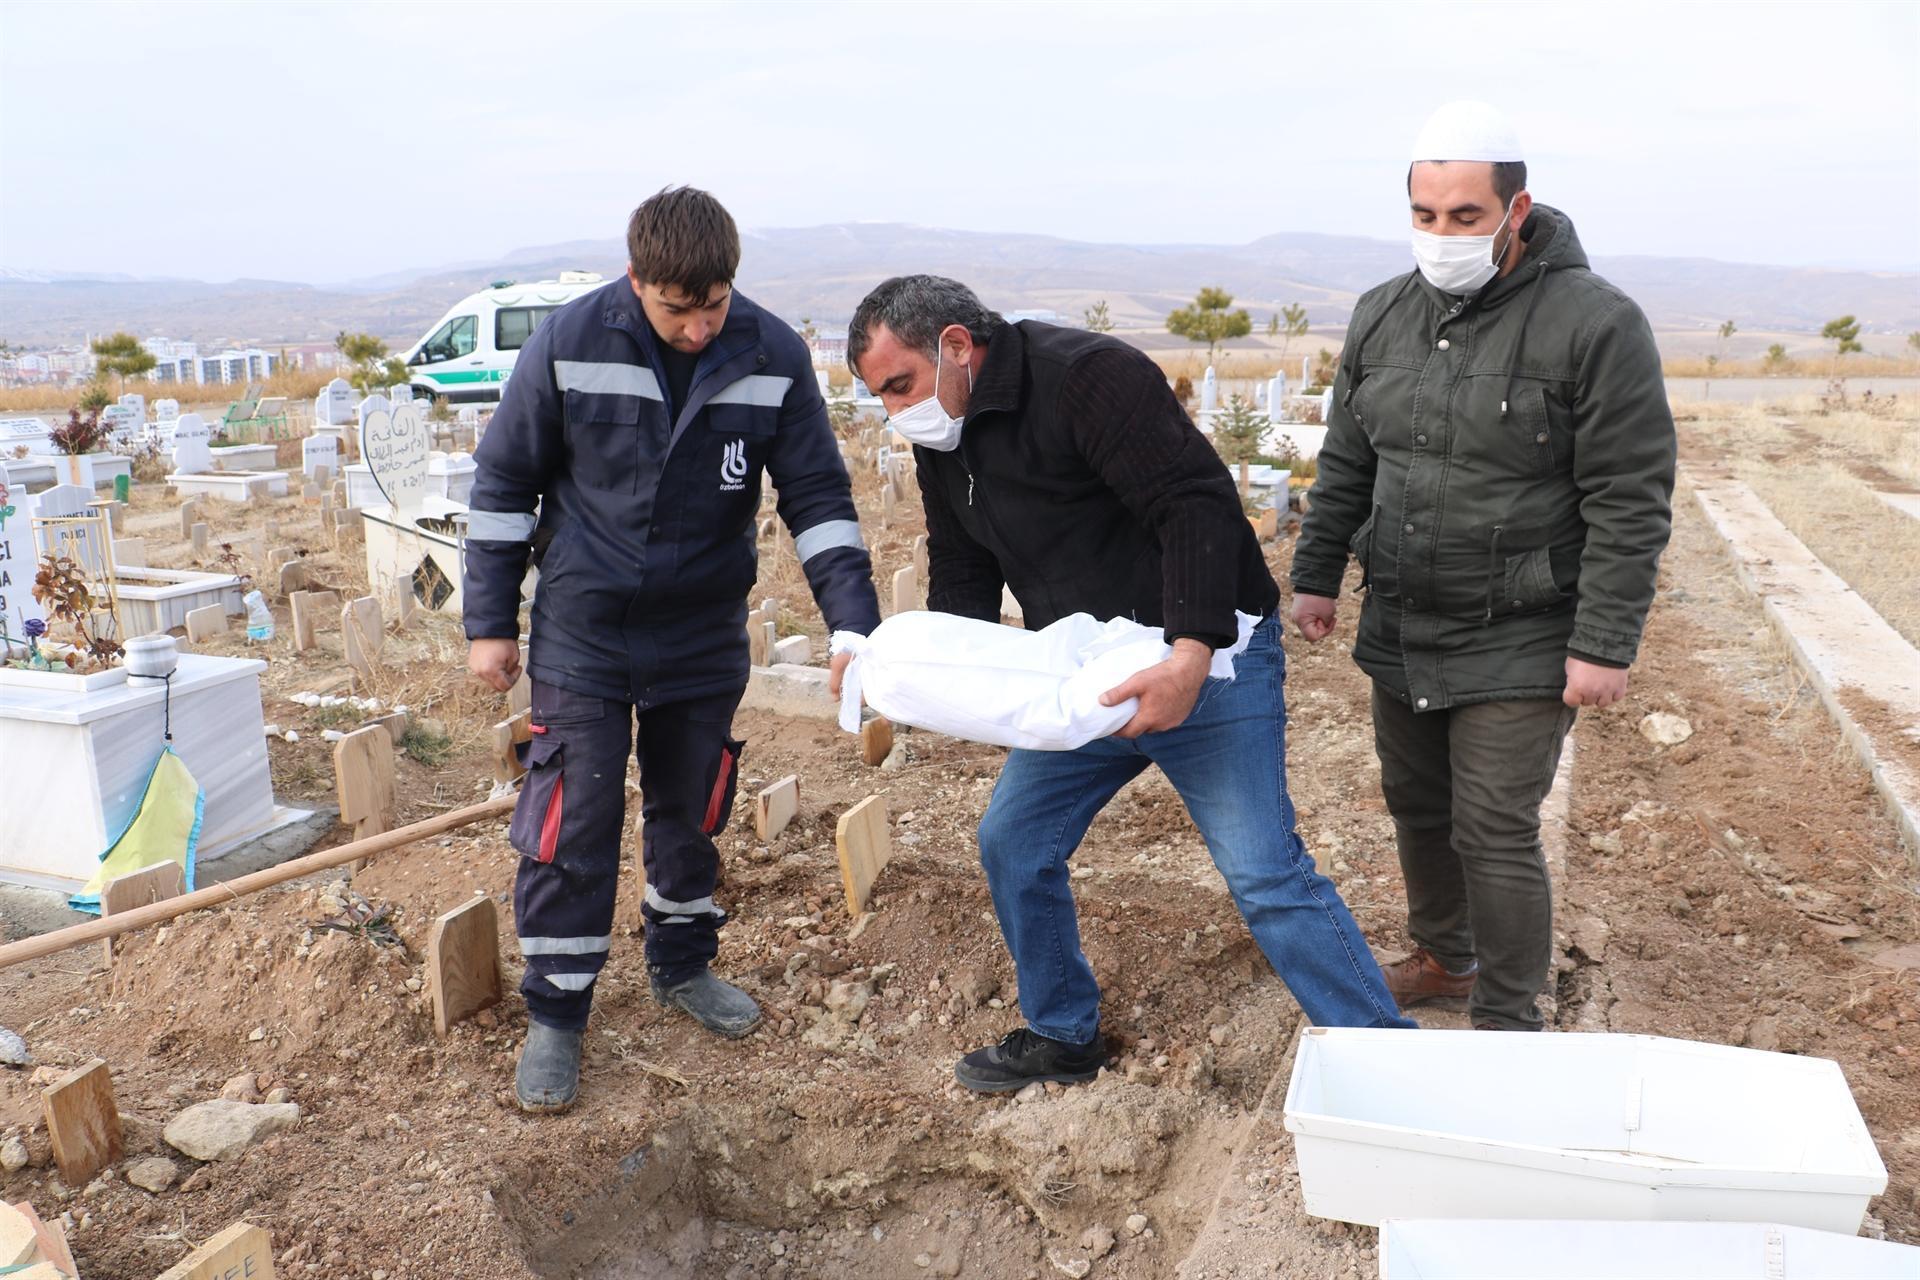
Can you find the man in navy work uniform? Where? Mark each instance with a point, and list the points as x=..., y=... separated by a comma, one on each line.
x=1057, y=464
x=629, y=448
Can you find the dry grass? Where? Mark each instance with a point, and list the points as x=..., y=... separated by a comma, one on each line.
x=1854, y=366
x=297, y=385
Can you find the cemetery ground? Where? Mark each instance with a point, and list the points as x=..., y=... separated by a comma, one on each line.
x=1745, y=886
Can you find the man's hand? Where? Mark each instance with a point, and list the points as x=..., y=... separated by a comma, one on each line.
x=495, y=661
x=1166, y=690
x=1313, y=615
x=837, y=672
x=1591, y=685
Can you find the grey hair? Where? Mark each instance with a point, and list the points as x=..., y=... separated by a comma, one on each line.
x=916, y=309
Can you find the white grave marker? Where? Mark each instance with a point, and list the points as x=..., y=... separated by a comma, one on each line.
x=1209, y=392
x=16, y=568
x=1276, y=396
x=166, y=410
x=333, y=407
x=81, y=545
x=136, y=403
x=1306, y=371
x=401, y=393
x=395, y=444
x=319, y=451
x=191, y=455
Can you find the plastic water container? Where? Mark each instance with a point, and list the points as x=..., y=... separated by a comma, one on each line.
x=1477, y=1124
x=1483, y=1249
x=259, y=617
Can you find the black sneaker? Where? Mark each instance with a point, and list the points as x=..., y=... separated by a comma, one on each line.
x=1025, y=1057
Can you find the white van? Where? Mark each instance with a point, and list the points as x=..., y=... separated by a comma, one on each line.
x=468, y=356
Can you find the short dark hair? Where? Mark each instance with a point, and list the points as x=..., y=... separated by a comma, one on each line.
x=915, y=310
x=1509, y=179
x=683, y=237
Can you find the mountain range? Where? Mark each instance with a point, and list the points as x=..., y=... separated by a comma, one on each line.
x=821, y=273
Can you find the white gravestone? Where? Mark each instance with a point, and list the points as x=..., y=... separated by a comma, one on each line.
x=1276, y=395
x=16, y=568
x=469, y=415
x=166, y=410
x=80, y=545
x=191, y=456
x=394, y=444
x=333, y=407
x=1306, y=371
x=372, y=404
x=138, y=404
x=319, y=451
x=401, y=394
x=1209, y=392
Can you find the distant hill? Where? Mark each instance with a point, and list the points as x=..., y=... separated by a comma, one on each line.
x=822, y=272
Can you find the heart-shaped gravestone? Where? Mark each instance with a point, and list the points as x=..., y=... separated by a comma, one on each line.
x=394, y=443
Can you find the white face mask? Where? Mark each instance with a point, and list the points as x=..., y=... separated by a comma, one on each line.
x=1458, y=264
x=928, y=422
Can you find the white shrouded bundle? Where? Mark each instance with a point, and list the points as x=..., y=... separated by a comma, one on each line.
x=1004, y=685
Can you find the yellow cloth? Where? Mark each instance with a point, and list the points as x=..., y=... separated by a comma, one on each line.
x=165, y=828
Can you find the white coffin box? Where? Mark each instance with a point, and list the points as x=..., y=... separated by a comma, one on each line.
x=77, y=751
x=244, y=457
x=362, y=491
x=156, y=600
x=1473, y=1124
x=1547, y=1249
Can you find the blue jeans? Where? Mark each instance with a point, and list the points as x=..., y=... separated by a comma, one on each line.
x=1228, y=762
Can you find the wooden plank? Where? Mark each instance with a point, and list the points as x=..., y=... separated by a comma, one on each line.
x=189, y=513
x=293, y=577
x=19, y=1242
x=757, y=654
x=50, y=1239
x=463, y=963
x=876, y=740
x=364, y=633
x=520, y=697
x=202, y=537
x=82, y=1123
x=207, y=620
x=241, y=1252
x=920, y=557
x=405, y=603
x=138, y=888
x=906, y=591
x=301, y=604
x=363, y=775
x=865, y=845
x=774, y=807
x=507, y=735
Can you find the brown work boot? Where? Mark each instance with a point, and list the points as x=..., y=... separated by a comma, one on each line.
x=1420, y=978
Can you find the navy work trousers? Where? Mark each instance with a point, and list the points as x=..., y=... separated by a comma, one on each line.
x=567, y=828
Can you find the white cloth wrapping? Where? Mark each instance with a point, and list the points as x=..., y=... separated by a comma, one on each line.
x=1005, y=685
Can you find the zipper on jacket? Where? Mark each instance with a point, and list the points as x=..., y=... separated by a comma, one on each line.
x=1493, y=572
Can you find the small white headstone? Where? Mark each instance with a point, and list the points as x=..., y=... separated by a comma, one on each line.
x=469, y=415
x=1306, y=371
x=372, y=404
x=401, y=394
x=16, y=567
x=79, y=544
x=319, y=451
x=1209, y=392
x=166, y=410
x=137, y=403
x=190, y=452
x=395, y=444
x=1276, y=396
x=333, y=407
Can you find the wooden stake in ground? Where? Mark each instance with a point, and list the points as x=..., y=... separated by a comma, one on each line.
x=364, y=633
x=463, y=963
x=906, y=590
x=363, y=775
x=202, y=537
x=774, y=808
x=151, y=884
x=241, y=1252
x=82, y=1123
x=507, y=735
x=876, y=740
x=865, y=846
x=920, y=557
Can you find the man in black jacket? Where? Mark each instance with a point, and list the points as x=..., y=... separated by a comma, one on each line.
x=1056, y=463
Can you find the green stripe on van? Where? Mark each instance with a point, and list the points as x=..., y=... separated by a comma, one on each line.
x=476, y=375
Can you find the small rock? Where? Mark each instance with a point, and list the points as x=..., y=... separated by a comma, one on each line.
x=1609, y=844
x=257, y=1034
x=13, y=1050
x=922, y=1259
x=1097, y=1240
x=1073, y=1267
x=1664, y=729
x=13, y=1156
x=242, y=1088
x=1136, y=1223
x=279, y=1094
x=223, y=1128
x=155, y=1174
x=1764, y=1033
x=1032, y=1093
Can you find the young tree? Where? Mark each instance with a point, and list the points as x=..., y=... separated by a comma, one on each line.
x=1296, y=317
x=1913, y=340
x=121, y=355
x=1845, y=332
x=1236, y=435
x=1326, y=366
x=1209, y=320
x=1098, y=319
x=369, y=367
x=1776, y=358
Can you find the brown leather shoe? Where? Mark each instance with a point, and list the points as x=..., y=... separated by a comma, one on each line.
x=1420, y=978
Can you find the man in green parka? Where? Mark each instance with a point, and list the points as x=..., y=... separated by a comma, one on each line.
x=1499, y=460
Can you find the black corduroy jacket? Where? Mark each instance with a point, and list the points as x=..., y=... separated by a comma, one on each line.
x=1082, y=486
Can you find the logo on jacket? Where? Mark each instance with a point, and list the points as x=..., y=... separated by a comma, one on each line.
x=733, y=467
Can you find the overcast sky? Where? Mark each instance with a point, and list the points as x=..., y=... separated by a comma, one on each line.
x=326, y=142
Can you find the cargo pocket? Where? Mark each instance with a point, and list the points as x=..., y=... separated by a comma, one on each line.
x=535, y=829
x=1529, y=581
x=603, y=433
x=726, y=780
